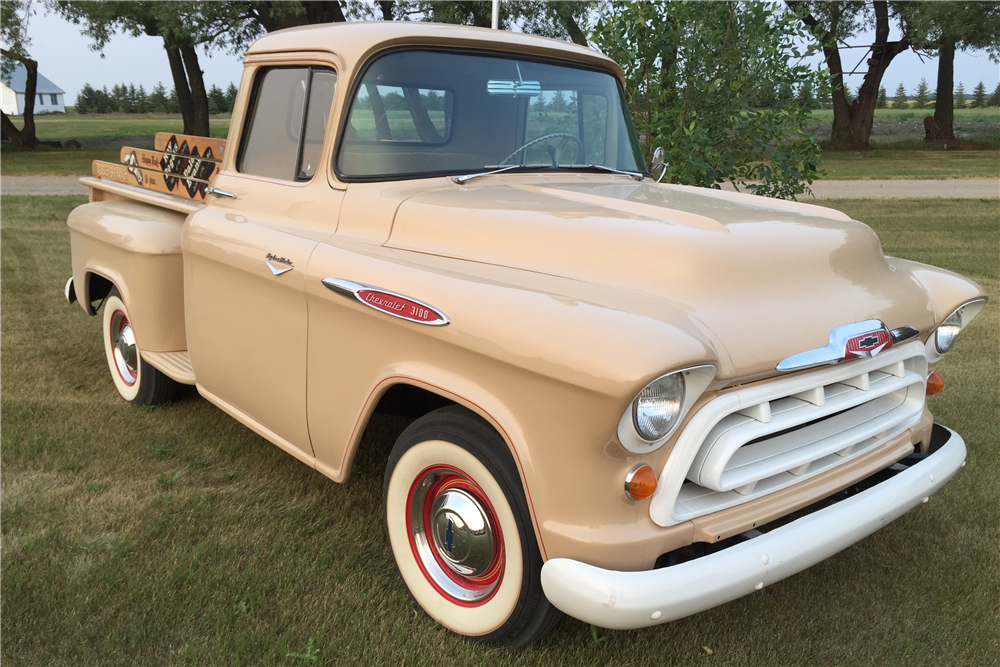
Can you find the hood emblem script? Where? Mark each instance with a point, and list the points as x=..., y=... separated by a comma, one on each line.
x=285, y=265
x=397, y=305
x=850, y=341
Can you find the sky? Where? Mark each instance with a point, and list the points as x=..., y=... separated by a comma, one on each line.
x=65, y=58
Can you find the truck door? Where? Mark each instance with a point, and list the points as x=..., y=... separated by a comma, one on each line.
x=245, y=257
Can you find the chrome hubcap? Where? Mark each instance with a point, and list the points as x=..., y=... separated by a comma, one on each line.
x=123, y=344
x=462, y=533
x=455, y=535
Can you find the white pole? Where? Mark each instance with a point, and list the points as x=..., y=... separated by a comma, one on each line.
x=496, y=14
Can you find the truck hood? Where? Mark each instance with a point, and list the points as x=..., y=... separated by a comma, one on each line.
x=766, y=278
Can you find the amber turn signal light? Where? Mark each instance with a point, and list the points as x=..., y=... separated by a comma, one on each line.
x=935, y=383
x=640, y=482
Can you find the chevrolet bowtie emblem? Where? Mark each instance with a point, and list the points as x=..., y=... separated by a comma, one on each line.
x=850, y=341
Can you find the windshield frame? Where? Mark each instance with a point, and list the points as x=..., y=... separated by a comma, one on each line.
x=356, y=82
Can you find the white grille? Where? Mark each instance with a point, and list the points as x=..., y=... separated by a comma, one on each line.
x=753, y=441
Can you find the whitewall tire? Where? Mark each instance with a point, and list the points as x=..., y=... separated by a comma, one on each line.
x=135, y=380
x=460, y=531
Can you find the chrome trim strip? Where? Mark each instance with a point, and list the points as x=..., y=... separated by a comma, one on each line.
x=903, y=334
x=836, y=350
x=275, y=270
x=351, y=289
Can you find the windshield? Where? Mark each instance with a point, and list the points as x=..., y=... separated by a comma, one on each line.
x=428, y=113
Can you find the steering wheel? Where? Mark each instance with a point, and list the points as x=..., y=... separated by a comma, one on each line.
x=565, y=138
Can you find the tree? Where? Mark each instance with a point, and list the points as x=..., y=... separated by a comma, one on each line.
x=14, y=18
x=960, y=96
x=979, y=96
x=830, y=22
x=231, y=98
x=995, y=97
x=158, y=99
x=693, y=72
x=561, y=20
x=216, y=100
x=945, y=27
x=923, y=90
x=180, y=24
x=805, y=96
x=899, y=101
x=882, y=101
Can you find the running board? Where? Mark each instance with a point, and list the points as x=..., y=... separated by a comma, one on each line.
x=175, y=365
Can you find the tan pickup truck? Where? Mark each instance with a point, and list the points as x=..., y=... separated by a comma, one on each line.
x=632, y=401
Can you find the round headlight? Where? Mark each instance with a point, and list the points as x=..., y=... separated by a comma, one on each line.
x=944, y=337
x=656, y=408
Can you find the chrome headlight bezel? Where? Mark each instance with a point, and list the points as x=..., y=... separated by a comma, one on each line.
x=942, y=339
x=656, y=409
x=693, y=380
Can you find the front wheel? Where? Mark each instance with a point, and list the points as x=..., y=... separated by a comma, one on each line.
x=135, y=380
x=459, y=529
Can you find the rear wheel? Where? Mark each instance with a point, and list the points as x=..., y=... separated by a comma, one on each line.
x=460, y=531
x=135, y=380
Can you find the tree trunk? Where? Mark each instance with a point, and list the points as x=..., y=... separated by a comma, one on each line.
x=386, y=7
x=943, y=127
x=180, y=84
x=314, y=11
x=199, y=98
x=564, y=14
x=190, y=87
x=24, y=139
x=852, y=121
x=322, y=11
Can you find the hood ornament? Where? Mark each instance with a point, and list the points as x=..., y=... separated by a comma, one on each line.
x=850, y=341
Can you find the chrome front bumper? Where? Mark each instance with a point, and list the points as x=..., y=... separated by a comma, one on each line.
x=624, y=600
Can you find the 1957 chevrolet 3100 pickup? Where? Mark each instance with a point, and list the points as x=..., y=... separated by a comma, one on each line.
x=621, y=389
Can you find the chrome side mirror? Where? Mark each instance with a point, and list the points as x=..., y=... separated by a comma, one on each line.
x=658, y=163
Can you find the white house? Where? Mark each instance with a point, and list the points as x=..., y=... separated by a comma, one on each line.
x=48, y=96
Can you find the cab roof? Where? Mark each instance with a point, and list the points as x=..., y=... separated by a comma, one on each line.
x=355, y=41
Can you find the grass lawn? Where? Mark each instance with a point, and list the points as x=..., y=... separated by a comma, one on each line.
x=988, y=115
x=46, y=161
x=905, y=164
x=111, y=130
x=75, y=126
x=175, y=536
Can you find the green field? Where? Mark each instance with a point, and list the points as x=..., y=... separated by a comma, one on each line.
x=988, y=115
x=175, y=536
x=55, y=161
x=73, y=126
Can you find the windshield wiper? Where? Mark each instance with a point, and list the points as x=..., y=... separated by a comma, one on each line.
x=600, y=167
x=496, y=169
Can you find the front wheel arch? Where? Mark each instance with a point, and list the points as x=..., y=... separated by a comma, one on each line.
x=442, y=393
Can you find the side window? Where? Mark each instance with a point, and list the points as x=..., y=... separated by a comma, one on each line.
x=576, y=119
x=54, y=99
x=289, y=112
x=401, y=114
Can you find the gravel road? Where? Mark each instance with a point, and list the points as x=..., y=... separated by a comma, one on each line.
x=964, y=188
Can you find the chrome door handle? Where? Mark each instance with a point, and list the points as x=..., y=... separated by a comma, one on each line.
x=220, y=193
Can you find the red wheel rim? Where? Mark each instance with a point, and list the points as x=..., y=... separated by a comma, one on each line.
x=465, y=561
